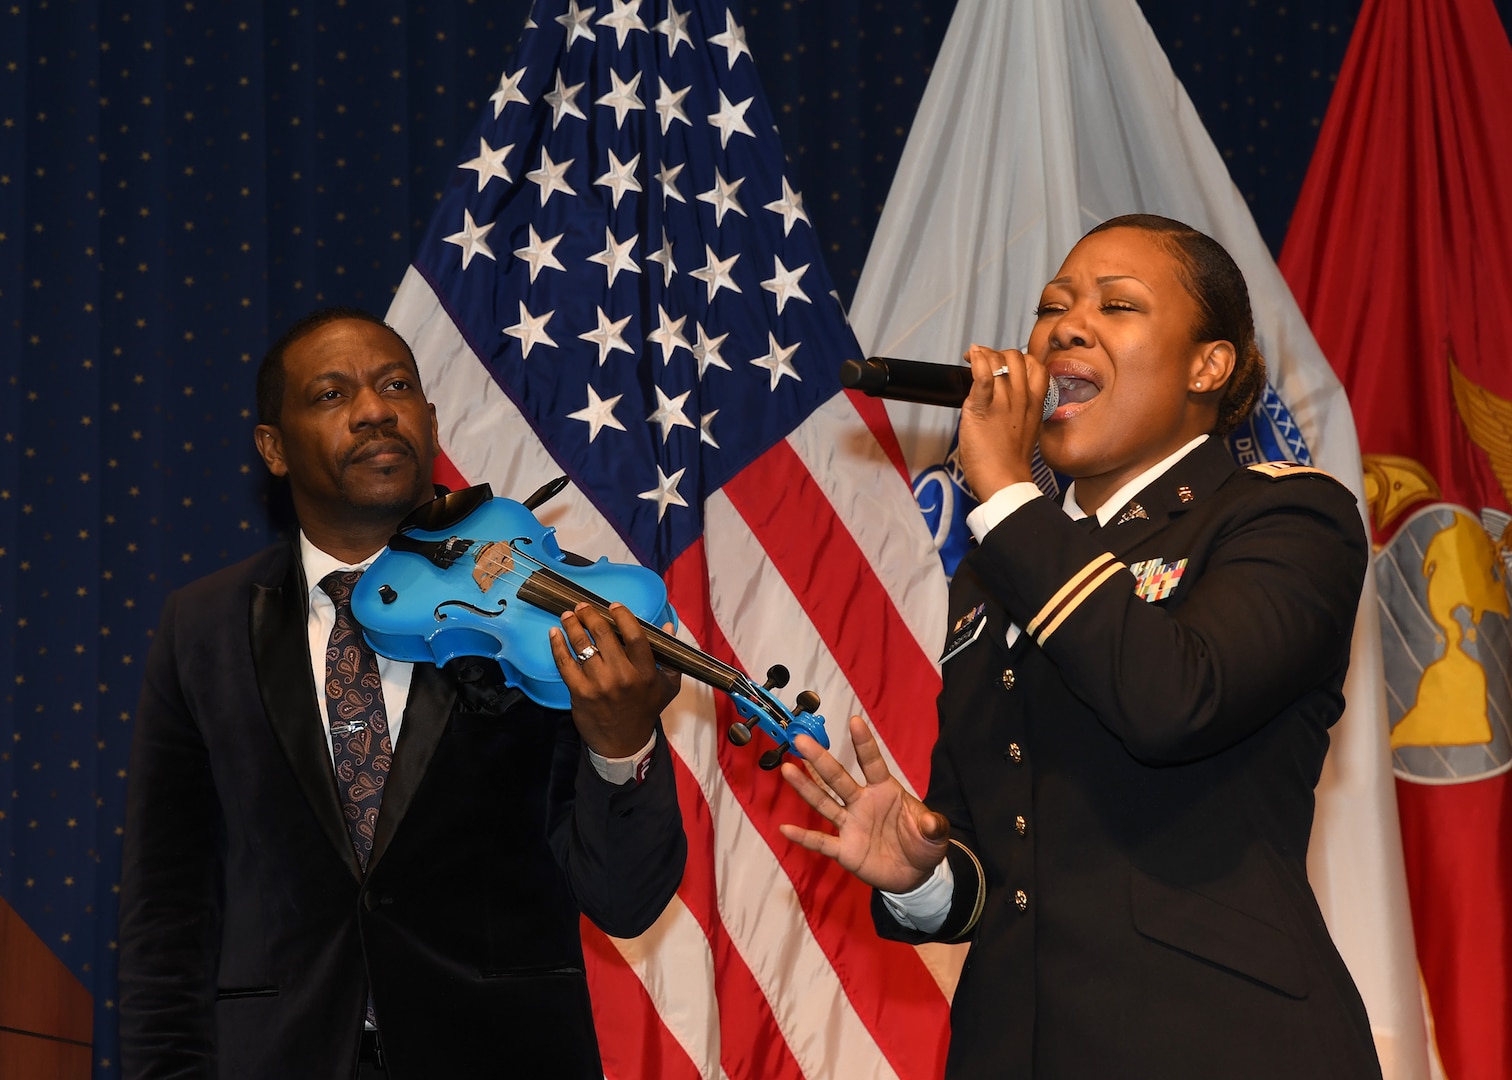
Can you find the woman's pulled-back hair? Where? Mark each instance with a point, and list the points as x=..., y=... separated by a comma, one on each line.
x=1211, y=278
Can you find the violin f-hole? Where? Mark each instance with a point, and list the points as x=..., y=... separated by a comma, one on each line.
x=441, y=615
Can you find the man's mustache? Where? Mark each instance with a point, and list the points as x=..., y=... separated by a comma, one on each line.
x=377, y=444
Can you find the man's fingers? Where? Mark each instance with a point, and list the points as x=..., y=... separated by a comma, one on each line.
x=566, y=661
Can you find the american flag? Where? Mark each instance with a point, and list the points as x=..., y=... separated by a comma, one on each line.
x=621, y=284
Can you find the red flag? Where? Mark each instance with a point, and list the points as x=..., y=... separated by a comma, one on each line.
x=1400, y=254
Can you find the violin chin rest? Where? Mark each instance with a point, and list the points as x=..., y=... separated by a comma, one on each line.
x=442, y=513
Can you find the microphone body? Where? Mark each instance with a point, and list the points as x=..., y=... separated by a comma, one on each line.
x=922, y=383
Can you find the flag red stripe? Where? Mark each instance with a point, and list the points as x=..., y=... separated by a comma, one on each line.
x=750, y=1042
x=818, y=558
x=633, y=1041
x=886, y=983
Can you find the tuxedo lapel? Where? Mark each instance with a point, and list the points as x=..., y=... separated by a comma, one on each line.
x=281, y=659
x=426, y=714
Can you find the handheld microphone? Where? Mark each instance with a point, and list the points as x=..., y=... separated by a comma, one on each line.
x=921, y=383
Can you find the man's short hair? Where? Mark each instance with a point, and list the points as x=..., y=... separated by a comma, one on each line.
x=270, y=373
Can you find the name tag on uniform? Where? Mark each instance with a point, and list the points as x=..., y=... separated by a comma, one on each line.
x=967, y=629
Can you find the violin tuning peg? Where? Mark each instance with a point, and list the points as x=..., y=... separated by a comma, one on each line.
x=773, y=758
x=807, y=702
x=739, y=734
x=777, y=678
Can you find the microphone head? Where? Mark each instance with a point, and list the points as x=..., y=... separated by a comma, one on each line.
x=1052, y=398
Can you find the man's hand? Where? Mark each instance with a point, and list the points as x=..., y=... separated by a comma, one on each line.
x=887, y=838
x=617, y=690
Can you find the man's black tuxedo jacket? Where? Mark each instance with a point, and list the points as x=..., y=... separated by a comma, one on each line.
x=1131, y=784
x=249, y=940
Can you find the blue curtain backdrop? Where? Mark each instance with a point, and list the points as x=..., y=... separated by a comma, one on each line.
x=178, y=181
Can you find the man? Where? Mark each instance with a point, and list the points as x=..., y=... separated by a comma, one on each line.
x=337, y=865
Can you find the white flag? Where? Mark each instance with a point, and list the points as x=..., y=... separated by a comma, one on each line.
x=1043, y=119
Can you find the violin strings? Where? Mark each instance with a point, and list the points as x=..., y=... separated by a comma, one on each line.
x=670, y=643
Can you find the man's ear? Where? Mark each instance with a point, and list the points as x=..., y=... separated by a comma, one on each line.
x=269, y=442
x=1212, y=368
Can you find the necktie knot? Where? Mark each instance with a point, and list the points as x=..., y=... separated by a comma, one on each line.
x=338, y=585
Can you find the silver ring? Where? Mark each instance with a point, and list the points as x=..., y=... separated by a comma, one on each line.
x=588, y=653
x=1000, y=371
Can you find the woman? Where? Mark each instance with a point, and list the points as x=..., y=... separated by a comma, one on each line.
x=1135, y=706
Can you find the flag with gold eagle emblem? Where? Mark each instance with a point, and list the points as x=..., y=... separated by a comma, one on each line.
x=1400, y=253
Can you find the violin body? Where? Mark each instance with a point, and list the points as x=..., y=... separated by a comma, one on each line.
x=413, y=609
x=474, y=575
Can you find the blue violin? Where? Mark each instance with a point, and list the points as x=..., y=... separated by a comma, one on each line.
x=474, y=575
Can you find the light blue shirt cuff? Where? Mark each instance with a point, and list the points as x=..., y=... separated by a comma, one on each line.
x=924, y=909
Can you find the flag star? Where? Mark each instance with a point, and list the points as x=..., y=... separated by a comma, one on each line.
x=623, y=98
x=471, y=239
x=664, y=257
x=609, y=338
x=540, y=253
x=616, y=256
x=598, y=414
x=790, y=206
x=778, y=360
x=706, y=351
x=624, y=19
x=575, y=21
x=550, y=176
x=733, y=40
x=731, y=119
x=715, y=272
x=722, y=197
x=621, y=177
x=531, y=330
x=675, y=26
x=668, y=334
x=668, y=179
x=509, y=90
x=561, y=98
x=705, y=430
x=669, y=412
x=664, y=494
x=669, y=105
x=489, y=163
x=783, y=284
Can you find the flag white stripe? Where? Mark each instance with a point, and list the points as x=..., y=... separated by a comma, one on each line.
x=762, y=914
x=852, y=471
x=675, y=965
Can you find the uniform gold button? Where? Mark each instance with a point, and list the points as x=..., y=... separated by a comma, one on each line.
x=1008, y=679
x=1015, y=753
x=1020, y=825
x=1021, y=899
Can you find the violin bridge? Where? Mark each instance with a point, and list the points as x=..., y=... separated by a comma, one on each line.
x=492, y=561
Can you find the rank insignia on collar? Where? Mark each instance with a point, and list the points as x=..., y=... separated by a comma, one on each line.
x=1132, y=512
x=1155, y=579
x=1184, y=493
